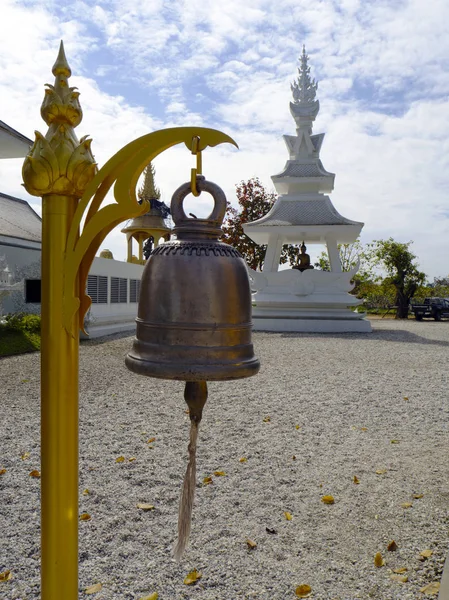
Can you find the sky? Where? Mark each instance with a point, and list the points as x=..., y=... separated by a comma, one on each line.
x=382, y=68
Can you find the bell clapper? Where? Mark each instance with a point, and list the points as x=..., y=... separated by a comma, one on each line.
x=195, y=395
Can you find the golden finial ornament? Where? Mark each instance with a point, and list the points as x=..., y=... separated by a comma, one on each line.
x=59, y=163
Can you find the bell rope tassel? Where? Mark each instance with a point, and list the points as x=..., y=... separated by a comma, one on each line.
x=195, y=394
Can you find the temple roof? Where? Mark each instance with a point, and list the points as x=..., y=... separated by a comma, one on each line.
x=297, y=169
x=302, y=212
x=12, y=143
x=18, y=219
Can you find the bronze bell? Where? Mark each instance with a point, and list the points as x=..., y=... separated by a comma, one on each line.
x=194, y=315
x=194, y=319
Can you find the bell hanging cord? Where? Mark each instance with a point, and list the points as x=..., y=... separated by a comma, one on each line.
x=195, y=395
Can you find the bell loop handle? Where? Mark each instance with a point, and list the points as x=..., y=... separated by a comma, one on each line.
x=211, y=226
x=199, y=166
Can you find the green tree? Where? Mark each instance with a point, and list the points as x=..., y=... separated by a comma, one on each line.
x=398, y=262
x=349, y=255
x=254, y=203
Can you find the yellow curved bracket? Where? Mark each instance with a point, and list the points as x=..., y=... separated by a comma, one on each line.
x=122, y=171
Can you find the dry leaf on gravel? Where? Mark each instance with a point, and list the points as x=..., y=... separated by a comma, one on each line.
x=120, y=459
x=2, y=471
x=401, y=570
x=6, y=575
x=426, y=553
x=297, y=426
x=219, y=474
x=392, y=546
x=151, y=440
x=328, y=499
x=406, y=398
x=93, y=589
x=243, y=459
x=399, y=578
x=153, y=596
x=207, y=480
x=378, y=560
x=25, y=455
x=288, y=516
x=381, y=471
x=144, y=506
x=418, y=496
x=132, y=459
x=85, y=517
x=363, y=428
x=251, y=545
x=192, y=577
x=356, y=480
x=35, y=473
x=431, y=589
x=303, y=591
x=406, y=505
x=395, y=441
x=86, y=492
x=267, y=419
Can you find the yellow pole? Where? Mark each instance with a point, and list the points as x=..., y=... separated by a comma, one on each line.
x=59, y=168
x=59, y=411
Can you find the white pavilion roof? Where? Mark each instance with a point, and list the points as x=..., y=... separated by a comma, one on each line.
x=302, y=212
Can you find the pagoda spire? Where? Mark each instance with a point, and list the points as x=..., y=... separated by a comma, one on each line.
x=149, y=191
x=304, y=90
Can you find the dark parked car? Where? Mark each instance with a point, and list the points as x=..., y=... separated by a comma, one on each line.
x=431, y=308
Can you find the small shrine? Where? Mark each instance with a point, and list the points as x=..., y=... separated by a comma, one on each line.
x=304, y=298
x=149, y=228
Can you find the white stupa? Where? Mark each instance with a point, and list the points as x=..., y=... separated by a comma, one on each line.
x=304, y=298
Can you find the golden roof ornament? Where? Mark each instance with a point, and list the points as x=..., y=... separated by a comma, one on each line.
x=59, y=163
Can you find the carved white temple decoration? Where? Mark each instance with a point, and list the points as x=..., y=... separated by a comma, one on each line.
x=304, y=298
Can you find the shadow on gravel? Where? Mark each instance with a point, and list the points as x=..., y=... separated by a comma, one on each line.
x=107, y=338
x=384, y=335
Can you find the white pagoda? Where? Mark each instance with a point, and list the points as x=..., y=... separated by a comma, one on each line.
x=304, y=298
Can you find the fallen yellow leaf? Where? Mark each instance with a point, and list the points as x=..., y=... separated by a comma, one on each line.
x=219, y=474
x=399, y=578
x=6, y=575
x=378, y=560
x=85, y=517
x=151, y=440
x=392, y=546
x=297, y=426
x=243, y=459
x=288, y=516
x=395, y=441
x=432, y=588
x=426, y=553
x=207, y=480
x=328, y=499
x=418, y=496
x=406, y=505
x=356, y=480
x=267, y=419
x=35, y=473
x=405, y=397
x=133, y=458
x=120, y=459
x=144, y=506
x=381, y=471
x=192, y=577
x=86, y=492
x=93, y=589
x=2, y=471
x=303, y=591
x=363, y=428
x=293, y=457
x=251, y=545
x=401, y=570
x=153, y=596
x=25, y=455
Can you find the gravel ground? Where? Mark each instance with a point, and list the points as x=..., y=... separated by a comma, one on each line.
x=323, y=409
